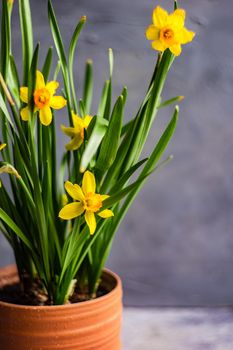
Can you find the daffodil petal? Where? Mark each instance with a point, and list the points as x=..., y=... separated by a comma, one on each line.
x=71, y=211
x=106, y=214
x=88, y=184
x=160, y=17
x=57, y=102
x=25, y=114
x=158, y=45
x=104, y=196
x=64, y=199
x=39, y=80
x=52, y=86
x=45, y=115
x=185, y=36
x=87, y=119
x=77, y=121
x=24, y=94
x=74, y=144
x=177, y=18
x=2, y=145
x=152, y=32
x=91, y=221
x=176, y=49
x=68, y=130
x=74, y=191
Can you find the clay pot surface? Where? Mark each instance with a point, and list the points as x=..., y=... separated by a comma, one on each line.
x=89, y=325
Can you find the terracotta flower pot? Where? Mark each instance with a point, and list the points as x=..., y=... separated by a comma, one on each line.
x=89, y=325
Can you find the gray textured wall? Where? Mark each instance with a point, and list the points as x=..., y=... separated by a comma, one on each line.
x=175, y=246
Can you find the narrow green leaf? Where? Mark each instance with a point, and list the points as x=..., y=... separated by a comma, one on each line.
x=82, y=108
x=126, y=176
x=118, y=196
x=61, y=52
x=5, y=110
x=27, y=37
x=32, y=77
x=103, y=99
x=5, y=40
x=47, y=64
x=4, y=217
x=150, y=164
x=57, y=70
x=14, y=81
x=88, y=86
x=127, y=127
x=99, y=128
x=124, y=94
x=109, y=146
x=170, y=101
x=73, y=45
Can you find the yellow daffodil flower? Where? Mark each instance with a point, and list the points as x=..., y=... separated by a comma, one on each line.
x=2, y=145
x=86, y=201
x=168, y=31
x=77, y=131
x=44, y=99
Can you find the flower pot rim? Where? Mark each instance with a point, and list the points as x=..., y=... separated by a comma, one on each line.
x=12, y=269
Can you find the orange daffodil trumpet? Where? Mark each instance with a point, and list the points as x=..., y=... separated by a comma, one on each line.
x=44, y=99
x=77, y=131
x=86, y=200
x=168, y=31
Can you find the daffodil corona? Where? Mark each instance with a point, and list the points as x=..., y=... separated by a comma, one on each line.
x=77, y=131
x=86, y=200
x=168, y=31
x=44, y=99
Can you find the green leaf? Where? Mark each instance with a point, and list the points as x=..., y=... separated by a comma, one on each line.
x=104, y=99
x=88, y=86
x=5, y=110
x=170, y=101
x=14, y=81
x=4, y=217
x=82, y=108
x=5, y=40
x=57, y=70
x=27, y=37
x=32, y=77
x=73, y=45
x=47, y=64
x=124, y=94
x=118, y=196
x=151, y=163
x=61, y=52
x=126, y=176
x=109, y=146
x=99, y=128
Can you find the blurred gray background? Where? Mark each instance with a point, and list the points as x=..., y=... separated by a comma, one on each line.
x=176, y=245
